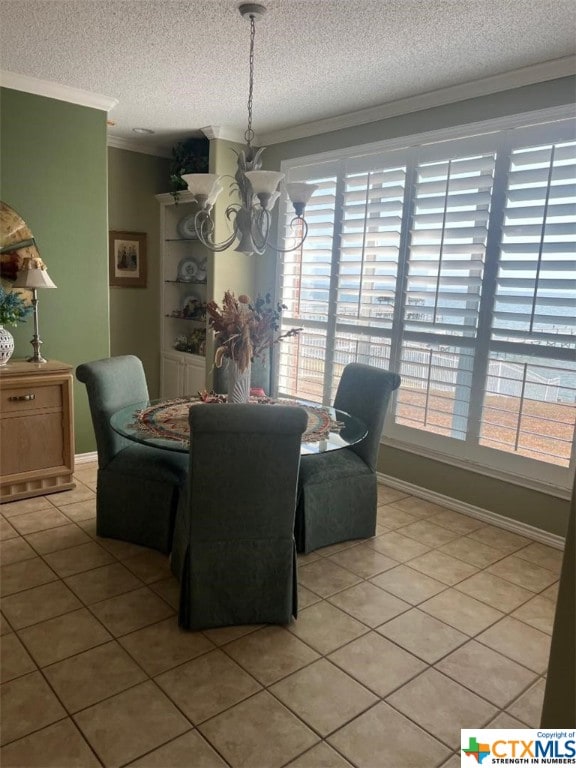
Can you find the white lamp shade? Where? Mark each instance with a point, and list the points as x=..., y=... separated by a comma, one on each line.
x=300, y=192
x=33, y=278
x=264, y=182
x=201, y=183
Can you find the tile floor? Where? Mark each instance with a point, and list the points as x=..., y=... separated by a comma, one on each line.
x=439, y=622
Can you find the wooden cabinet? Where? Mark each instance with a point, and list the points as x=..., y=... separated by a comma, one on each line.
x=36, y=429
x=180, y=376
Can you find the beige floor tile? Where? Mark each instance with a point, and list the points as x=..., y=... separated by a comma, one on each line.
x=419, y=507
x=169, y=590
x=363, y=560
x=538, y=612
x=131, y=611
x=208, y=685
x=523, y=573
x=518, y=641
x=408, y=584
x=89, y=677
x=325, y=578
x=499, y=538
x=455, y=521
x=64, y=536
x=63, y=636
x=304, y=559
x=14, y=659
x=5, y=628
x=528, y=706
x=28, y=704
x=80, y=493
x=494, y=591
x=270, y=654
x=398, y=547
x=325, y=627
x=472, y=551
x=423, y=635
x=67, y=562
x=122, y=550
x=7, y=531
x=41, y=520
x=504, y=720
x=320, y=756
x=89, y=526
x=551, y=593
x=38, y=604
x=380, y=665
x=131, y=724
x=331, y=549
x=369, y=604
x=452, y=762
x=149, y=566
x=58, y=746
x=487, y=673
x=306, y=597
x=392, y=517
x=460, y=708
x=323, y=696
x=164, y=645
x=223, y=635
x=427, y=533
x=386, y=494
x=461, y=611
x=14, y=550
x=80, y=510
x=546, y=557
x=443, y=567
x=13, y=508
x=26, y=574
x=258, y=732
x=190, y=749
x=102, y=583
x=385, y=734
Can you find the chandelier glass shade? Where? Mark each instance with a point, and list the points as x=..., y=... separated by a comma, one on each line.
x=257, y=190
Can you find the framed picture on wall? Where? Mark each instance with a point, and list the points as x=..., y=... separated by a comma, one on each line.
x=128, y=259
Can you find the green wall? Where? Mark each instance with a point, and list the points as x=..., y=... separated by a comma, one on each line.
x=133, y=180
x=53, y=173
x=545, y=511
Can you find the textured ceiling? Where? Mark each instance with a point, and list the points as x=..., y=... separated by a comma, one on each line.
x=176, y=66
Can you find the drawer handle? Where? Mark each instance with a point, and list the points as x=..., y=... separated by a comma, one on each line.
x=22, y=397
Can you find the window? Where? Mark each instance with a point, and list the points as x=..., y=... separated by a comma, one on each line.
x=452, y=262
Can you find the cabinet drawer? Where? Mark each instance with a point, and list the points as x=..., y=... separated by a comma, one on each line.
x=33, y=397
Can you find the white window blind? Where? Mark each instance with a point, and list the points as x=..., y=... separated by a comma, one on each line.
x=452, y=263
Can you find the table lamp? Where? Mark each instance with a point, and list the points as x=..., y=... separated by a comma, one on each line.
x=33, y=275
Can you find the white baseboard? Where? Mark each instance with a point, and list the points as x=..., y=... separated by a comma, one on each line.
x=523, y=529
x=85, y=458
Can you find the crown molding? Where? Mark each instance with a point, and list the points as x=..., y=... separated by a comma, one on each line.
x=118, y=142
x=56, y=91
x=225, y=132
x=537, y=73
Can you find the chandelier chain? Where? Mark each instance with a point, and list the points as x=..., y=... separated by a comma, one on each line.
x=249, y=135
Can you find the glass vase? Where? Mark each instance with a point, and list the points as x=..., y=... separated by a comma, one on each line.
x=238, y=383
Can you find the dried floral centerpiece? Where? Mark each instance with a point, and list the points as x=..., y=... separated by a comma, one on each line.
x=245, y=329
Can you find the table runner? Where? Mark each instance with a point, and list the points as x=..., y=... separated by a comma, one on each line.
x=169, y=419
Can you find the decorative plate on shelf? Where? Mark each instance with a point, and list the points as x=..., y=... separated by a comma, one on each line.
x=187, y=271
x=186, y=228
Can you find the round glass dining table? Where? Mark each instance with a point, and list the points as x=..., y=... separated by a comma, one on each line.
x=164, y=424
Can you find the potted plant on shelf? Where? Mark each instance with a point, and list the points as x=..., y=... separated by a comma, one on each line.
x=189, y=156
x=13, y=310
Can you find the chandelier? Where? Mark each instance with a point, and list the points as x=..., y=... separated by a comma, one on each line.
x=257, y=190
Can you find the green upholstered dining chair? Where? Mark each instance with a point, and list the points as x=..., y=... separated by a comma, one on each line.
x=137, y=486
x=234, y=552
x=337, y=490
